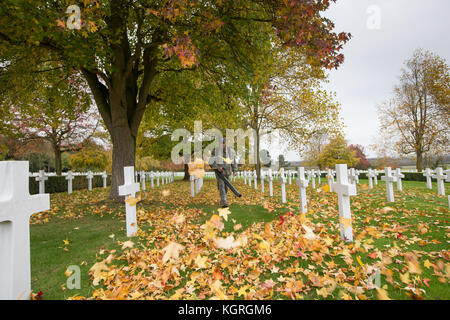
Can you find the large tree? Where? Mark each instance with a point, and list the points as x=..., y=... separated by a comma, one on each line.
x=337, y=152
x=417, y=118
x=57, y=108
x=122, y=47
x=363, y=163
x=284, y=97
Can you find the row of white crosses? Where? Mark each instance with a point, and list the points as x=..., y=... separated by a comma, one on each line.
x=42, y=177
x=396, y=176
x=166, y=177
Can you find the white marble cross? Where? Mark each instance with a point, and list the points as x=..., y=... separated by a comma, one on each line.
x=289, y=176
x=345, y=190
x=270, y=180
x=318, y=174
x=192, y=180
x=389, y=179
x=311, y=177
x=89, y=178
x=41, y=178
x=330, y=178
x=129, y=189
x=370, y=176
x=152, y=175
x=375, y=178
x=357, y=173
x=16, y=207
x=245, y=177
x=157, y=179
x=283, y=188
x=250, y=178
x=302, y=185
x=429, y=174
x=105, y=177
x=440, y=177
x=447, y=179
x=352, y=176
x=69, y=179
x=197, y=185
x=142, y=177
x=399, y=175
x=262, y=181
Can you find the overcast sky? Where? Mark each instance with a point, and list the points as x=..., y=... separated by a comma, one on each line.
x=374, y=57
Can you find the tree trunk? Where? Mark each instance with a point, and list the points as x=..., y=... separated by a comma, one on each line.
x=186, y=172
x=258, y=159
x=419, y=161
x=123, y=155
x=58, y=161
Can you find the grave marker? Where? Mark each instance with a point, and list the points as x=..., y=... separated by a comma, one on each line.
x=89, y=178
x=16, y=207
x=330, y=178
x=283, y=188
x=142, y=177
x=129, y=189
x=262, y=182
x=192, y=180
x=345, y=190
x=370, y=176
x=399, y=175
x=104, y=177
x=311, y=176
x=69, y=179
x=41, y=178
x=375, y=178
x=270, y=180
x=152, y=176
x=302, y=185
x=429, y=174
x=389, y=179
x=440, y=177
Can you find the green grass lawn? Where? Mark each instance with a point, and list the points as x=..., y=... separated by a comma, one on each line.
x=90, y=225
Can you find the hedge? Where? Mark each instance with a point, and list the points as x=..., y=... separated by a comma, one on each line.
x=56, y=184
x=409, y=176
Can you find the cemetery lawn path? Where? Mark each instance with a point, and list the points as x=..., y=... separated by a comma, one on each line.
x=258, y=249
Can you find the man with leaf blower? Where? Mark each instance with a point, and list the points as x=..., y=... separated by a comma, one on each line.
x=224, y=164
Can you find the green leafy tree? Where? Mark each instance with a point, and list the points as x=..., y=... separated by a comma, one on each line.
x=285, y=97
x=55, y=108
x=92, y=159
x=123, y=47
x=337, y=152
